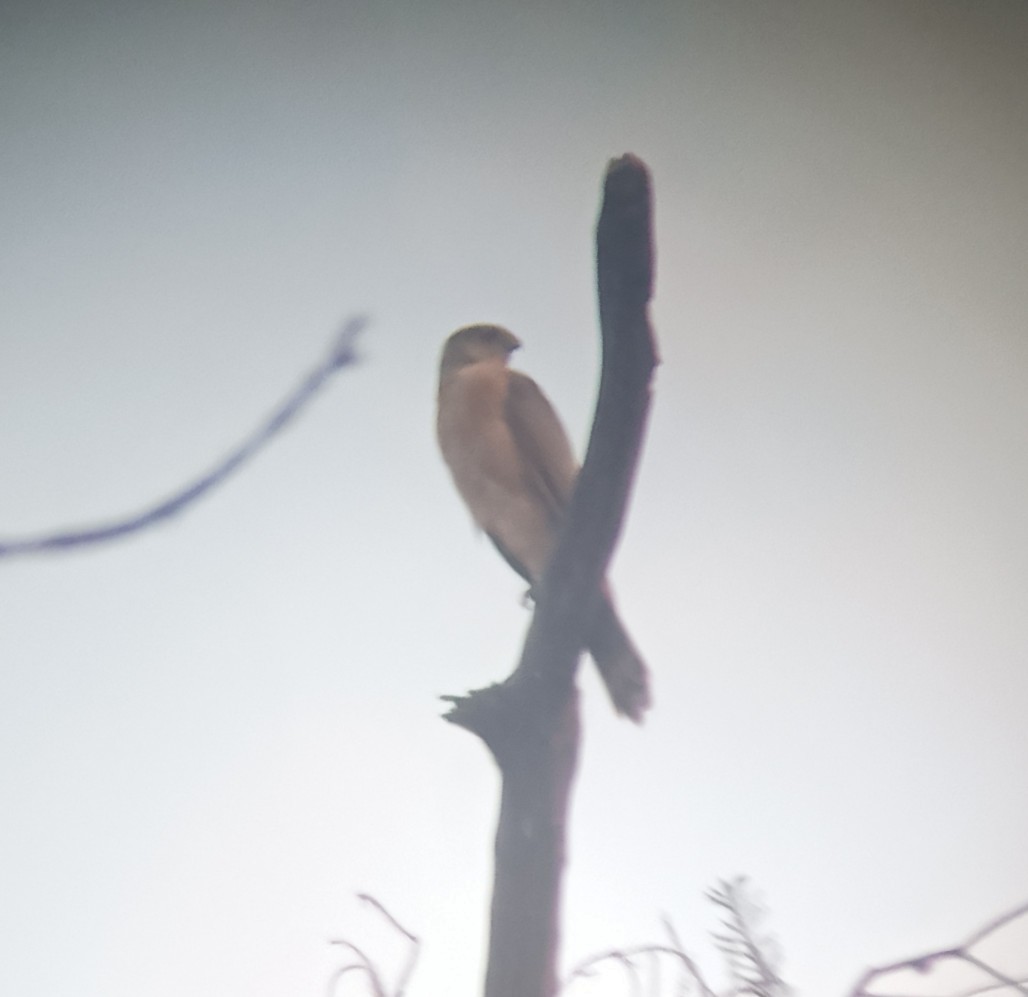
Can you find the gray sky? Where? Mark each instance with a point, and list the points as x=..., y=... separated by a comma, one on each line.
x=213, y=734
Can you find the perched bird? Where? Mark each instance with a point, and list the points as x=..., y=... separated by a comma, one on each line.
x=514, y=467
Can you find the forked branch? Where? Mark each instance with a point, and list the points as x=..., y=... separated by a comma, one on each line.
x=999, y=982
x=530, y=722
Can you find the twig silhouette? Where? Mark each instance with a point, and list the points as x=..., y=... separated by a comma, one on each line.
x=961, y=953
x=365, y=965
x=690, y=965
x=748, y=954
x=628, y=957
x=341, y=355
x=691, y=977
x=415, y=946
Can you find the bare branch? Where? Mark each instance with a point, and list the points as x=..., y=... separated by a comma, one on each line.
x=365, y=964
x=531, y=722
x=333, y=981
x=747, y=954
x=626, y=957
x=992, y=988
x=1002, y=978
x=341, y=355
x=691, y=966
x=415, y=948
x=995, y=924
x=925, y=963
x=566, y=596
x=624, y=265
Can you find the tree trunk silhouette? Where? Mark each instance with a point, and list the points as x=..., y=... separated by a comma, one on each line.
x=530, y=722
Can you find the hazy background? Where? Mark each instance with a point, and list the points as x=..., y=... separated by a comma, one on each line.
x=211, y=735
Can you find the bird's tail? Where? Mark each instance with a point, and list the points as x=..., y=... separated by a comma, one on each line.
x=621, y=667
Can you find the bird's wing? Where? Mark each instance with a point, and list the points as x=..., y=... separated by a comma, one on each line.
x=509, y=557
x=549, y=462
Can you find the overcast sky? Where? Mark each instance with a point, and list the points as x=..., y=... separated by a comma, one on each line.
x=213, y=734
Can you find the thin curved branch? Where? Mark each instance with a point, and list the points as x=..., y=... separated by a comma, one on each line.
x=341, y=355
x=923, y=963
x=990, y=988
x=690, y=965
x=364, y=965
x=353, y=967
x=415, y=948
x=625, y=957
x=367, y=966
x=1002, y=978
x=995, y=924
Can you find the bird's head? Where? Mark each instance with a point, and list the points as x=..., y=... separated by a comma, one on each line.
x=475, y=343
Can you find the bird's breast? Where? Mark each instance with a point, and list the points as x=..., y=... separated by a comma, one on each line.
x=475, y=439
